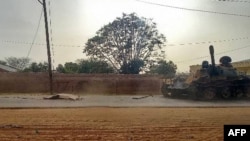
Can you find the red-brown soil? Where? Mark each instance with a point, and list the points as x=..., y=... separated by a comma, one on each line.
x=152, y=124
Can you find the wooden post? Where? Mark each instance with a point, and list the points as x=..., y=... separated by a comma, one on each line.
x=48, y=47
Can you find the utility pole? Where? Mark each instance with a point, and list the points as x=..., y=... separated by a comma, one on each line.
x=48, y=46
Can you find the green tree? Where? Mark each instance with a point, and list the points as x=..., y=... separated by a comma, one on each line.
x=167, y=69
x=37, y=67
x=71, y=67
x=44, y=67
x=127, y=40
x=132, y=67
x=60, y=68
x=19, y=63
x=3, y=62
x=94, y=66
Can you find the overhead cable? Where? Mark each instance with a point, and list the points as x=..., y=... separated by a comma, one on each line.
x=205, y=42
x=242, y=1
x=168, y=45
x=39, y=44
x=223, y=52
x=195, y=10
x=40, y=2
x=37, y=29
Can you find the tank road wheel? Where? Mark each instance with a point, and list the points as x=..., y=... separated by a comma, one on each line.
x=225, y=93
x=239, y=93
x=247, y=92
x=170, y=95
x=209, y=94
x=164, y=90
x=193, y=93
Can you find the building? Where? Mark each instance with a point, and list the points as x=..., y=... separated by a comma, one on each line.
x=241, y=66
x=5, y=68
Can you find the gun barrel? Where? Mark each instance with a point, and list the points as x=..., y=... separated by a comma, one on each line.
x=211, y=49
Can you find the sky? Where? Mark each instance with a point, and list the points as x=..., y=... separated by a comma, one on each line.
x=188, y=28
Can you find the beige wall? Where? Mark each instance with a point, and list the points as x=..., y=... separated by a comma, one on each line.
x=243, y=66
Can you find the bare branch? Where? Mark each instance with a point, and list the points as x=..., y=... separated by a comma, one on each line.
x=40, y=2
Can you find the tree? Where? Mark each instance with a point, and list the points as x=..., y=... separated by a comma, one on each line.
x=126, y=40
x=94, y=66
x=71, y=67
x=60, y=68
x=19, y=63
x=167, y=69
x=91, y=65
x=3, y=62
x=37, y=67
x=133, y=67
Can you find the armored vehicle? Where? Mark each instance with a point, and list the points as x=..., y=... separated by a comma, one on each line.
x=211, y=81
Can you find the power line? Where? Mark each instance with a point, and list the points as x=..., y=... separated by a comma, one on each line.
x=168, y=45
x=195, y=10
x=40, y=2
x=207, y=42
x=40, y=44
x=35, y=34
x=241, y=1
x=223, y=52
x=232, y=50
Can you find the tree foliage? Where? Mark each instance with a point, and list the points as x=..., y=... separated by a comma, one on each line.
x=3, y=62
x=85, y=66
x=37, y=67
x=71, y=67
x=132, y=67
x=127, y=40
x=19, y=63
x=94, y=66
x=167, y=69
x=60, y=68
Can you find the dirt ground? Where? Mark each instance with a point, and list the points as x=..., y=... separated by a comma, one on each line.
x=130, y=124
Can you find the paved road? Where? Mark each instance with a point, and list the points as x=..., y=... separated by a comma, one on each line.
x=24, y=101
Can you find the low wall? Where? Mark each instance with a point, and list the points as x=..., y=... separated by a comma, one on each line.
x=80, y=83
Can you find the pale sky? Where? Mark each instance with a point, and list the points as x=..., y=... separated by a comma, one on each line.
x=73, y=22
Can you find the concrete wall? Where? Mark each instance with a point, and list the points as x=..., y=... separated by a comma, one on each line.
x=80, y=83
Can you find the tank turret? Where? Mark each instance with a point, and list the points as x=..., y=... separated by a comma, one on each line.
x=226, y=61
